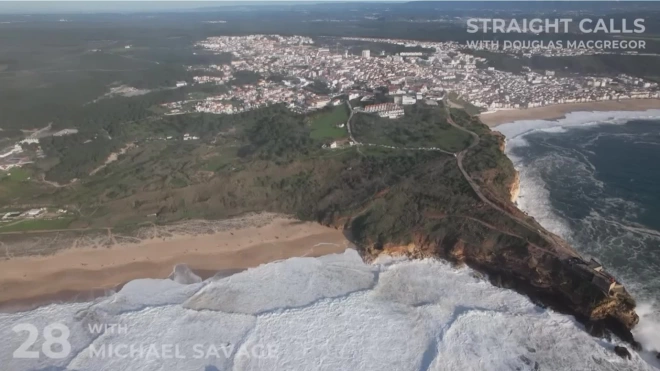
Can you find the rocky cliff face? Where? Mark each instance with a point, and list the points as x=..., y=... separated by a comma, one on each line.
x=514, y=188
x=461, y=209
x=547, y=280
x=510, y=247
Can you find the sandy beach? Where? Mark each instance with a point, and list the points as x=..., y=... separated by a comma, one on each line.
x=87, y=272
x=557, y=111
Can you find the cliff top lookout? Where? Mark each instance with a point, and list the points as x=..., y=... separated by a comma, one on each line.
x=596, y=274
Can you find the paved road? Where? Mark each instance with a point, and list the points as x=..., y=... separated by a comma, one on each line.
x=561, y=249
x=348, y=123
x=548, y=237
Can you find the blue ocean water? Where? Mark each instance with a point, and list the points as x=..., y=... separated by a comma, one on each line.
x=597, y=184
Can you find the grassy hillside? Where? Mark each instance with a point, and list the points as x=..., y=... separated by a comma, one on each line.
x=325, y=124
x=271, y=159
x=422, y=126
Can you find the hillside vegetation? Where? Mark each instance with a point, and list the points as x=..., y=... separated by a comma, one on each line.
x=268, y=159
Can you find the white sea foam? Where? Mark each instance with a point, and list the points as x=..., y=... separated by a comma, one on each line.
x=574, y=119
x=184, y=275
x=311, y=280
x=329, y=313
x=534, y=197
x=648, y=331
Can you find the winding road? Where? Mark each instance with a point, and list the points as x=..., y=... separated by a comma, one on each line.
x=353, y=140
x=561, y=249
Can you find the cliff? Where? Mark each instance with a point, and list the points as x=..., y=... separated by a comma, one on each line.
x=464, y=212
x=547, y=280
x=433, y=183
x=514, y=188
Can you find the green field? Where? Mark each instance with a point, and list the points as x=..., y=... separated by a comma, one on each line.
x=422, y=126
x=15, y=175
x=37, y=224
x=15, y=184
x=220, y=160
x=324, y=124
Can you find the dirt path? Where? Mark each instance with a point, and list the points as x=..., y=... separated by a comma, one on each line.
x=562, y=251
x=112, y=158
x=55, y=184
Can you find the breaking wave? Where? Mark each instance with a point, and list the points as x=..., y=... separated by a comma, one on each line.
x=328, y=313
x=563, y=188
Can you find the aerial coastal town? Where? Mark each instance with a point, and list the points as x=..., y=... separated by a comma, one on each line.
x=444, y=67
x=305, y=75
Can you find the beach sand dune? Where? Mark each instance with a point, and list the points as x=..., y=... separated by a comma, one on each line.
x=88, y=271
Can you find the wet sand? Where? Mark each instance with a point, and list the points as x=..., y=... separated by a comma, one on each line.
x=85, y=273
x=558, y=111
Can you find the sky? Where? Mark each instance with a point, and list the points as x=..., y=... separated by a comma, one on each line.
x=90, y=6
x=45, y=6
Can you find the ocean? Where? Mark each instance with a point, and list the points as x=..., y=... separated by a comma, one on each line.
x=598, y=186
x=329, y=313
x=593, y=178
x=589, y=178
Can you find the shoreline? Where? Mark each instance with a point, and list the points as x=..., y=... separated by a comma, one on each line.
x=559, y=111
x=81, y=274
x=84, y=296
x=545, y=215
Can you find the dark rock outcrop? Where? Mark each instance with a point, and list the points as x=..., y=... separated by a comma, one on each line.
x=622, y=352
x=547, y=279
x=598, y=329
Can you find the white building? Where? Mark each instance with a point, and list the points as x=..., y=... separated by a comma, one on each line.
x=366, y=54
x=320, y=103
x=393, y=114
x=11, y=214
x=385, y=110
x=407, y=100
x=33, y=212
x=411, y=54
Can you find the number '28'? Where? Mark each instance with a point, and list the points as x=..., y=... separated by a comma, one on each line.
x=55, y=333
